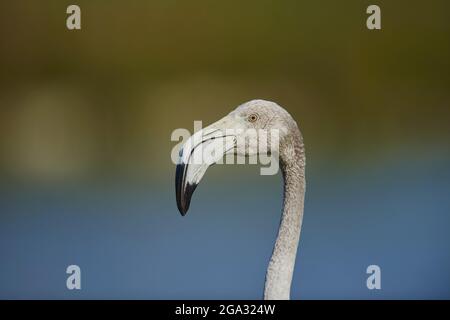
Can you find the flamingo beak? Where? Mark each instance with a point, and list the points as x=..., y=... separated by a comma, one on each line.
x=201, y=150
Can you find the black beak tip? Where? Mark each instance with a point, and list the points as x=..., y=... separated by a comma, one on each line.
x=183, y=211
x=184, y=190
x=182, y=208
x=184, y=200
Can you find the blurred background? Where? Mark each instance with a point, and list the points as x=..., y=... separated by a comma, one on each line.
x=86, y=176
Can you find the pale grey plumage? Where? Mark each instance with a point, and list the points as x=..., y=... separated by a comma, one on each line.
x=292, y=163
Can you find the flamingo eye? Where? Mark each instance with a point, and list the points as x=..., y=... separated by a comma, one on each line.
x=253, y=117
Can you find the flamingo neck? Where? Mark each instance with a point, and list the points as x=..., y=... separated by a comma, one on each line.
x=281, y=265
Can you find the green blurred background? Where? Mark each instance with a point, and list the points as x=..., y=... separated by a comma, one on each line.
x=97, y=107
x=99, y=101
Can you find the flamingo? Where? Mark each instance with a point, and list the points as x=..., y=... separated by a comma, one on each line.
x=223, y=135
